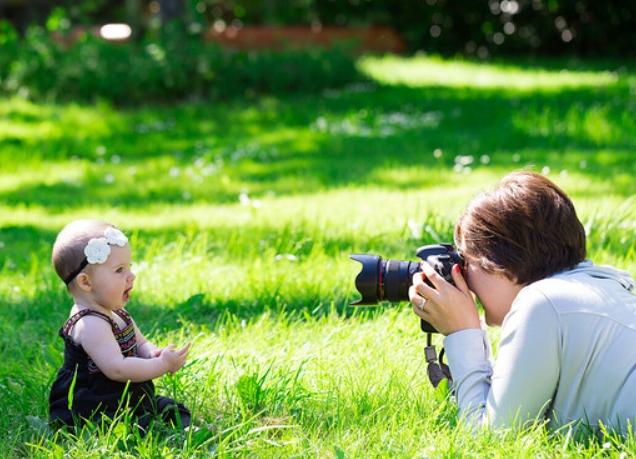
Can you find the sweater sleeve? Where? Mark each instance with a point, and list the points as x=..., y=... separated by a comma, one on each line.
x=468, y=353
x=524, y=379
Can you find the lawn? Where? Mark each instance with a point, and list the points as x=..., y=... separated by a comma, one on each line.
x=242, y=215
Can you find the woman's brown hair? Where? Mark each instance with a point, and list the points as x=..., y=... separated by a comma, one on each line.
x=526, y=229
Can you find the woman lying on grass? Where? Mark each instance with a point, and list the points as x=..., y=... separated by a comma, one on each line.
x=567, y=353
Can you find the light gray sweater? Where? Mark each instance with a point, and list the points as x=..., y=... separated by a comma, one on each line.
x=567, y=353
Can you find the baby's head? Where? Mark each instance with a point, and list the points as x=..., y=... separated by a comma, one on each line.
x=83, y=242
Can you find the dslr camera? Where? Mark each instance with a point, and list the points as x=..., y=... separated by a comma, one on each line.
x=389, y=280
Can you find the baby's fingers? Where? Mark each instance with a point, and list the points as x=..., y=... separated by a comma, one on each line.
x=184, y=350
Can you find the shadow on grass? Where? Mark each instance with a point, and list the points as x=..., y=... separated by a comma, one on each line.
x=26, y=254
x=210, y=154
x=44, y=306
x=391, y=138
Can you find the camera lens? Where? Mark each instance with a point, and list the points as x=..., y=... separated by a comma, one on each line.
x=368, y=281
x=383, y=280
x=398, y=279
x=389, y=280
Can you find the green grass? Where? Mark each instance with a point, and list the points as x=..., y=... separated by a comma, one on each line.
x=242, y=216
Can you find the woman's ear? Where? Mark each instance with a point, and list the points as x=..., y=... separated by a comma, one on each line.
x=83, y=281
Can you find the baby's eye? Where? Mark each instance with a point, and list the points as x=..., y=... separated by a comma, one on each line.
x=120, y=270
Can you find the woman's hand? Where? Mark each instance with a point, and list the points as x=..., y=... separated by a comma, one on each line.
x=448, y=308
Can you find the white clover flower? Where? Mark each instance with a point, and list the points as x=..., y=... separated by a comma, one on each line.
x=97, y=251
x=115, y=237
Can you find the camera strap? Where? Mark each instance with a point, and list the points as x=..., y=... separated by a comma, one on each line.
x=437, y=370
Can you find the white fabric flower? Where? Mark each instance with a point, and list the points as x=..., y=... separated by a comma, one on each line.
x=115, y=237
x=97, y=251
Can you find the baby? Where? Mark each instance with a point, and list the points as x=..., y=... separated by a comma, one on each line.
x=108, y=363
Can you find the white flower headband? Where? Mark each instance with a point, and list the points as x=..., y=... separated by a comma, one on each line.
x=98, y=249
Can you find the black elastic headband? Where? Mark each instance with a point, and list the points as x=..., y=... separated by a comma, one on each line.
x=74, y=274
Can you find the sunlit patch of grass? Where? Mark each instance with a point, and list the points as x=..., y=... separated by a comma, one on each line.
x=47, y=131
x=431, y=71
x=593, y=124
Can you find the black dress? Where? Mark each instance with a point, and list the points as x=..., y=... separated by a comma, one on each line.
x=94, y=395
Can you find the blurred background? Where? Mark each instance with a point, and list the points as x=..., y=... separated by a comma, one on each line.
x=466, y=27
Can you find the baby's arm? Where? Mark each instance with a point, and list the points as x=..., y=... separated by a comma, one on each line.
x=145, y=349
x=97, y=338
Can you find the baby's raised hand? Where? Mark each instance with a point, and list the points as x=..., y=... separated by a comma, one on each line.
x=174, y=358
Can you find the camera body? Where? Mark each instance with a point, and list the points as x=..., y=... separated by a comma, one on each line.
x=389, y=280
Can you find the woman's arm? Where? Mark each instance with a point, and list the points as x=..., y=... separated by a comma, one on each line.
x=522, y=383
x=528, y=365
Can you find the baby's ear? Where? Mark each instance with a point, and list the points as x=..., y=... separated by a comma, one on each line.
x=83, y=282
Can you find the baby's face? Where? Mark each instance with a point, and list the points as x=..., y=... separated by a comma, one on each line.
x=112, y=281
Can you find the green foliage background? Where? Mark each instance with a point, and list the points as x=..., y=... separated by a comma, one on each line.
x=40, y=67
x=460, y=27
x=487, y=28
